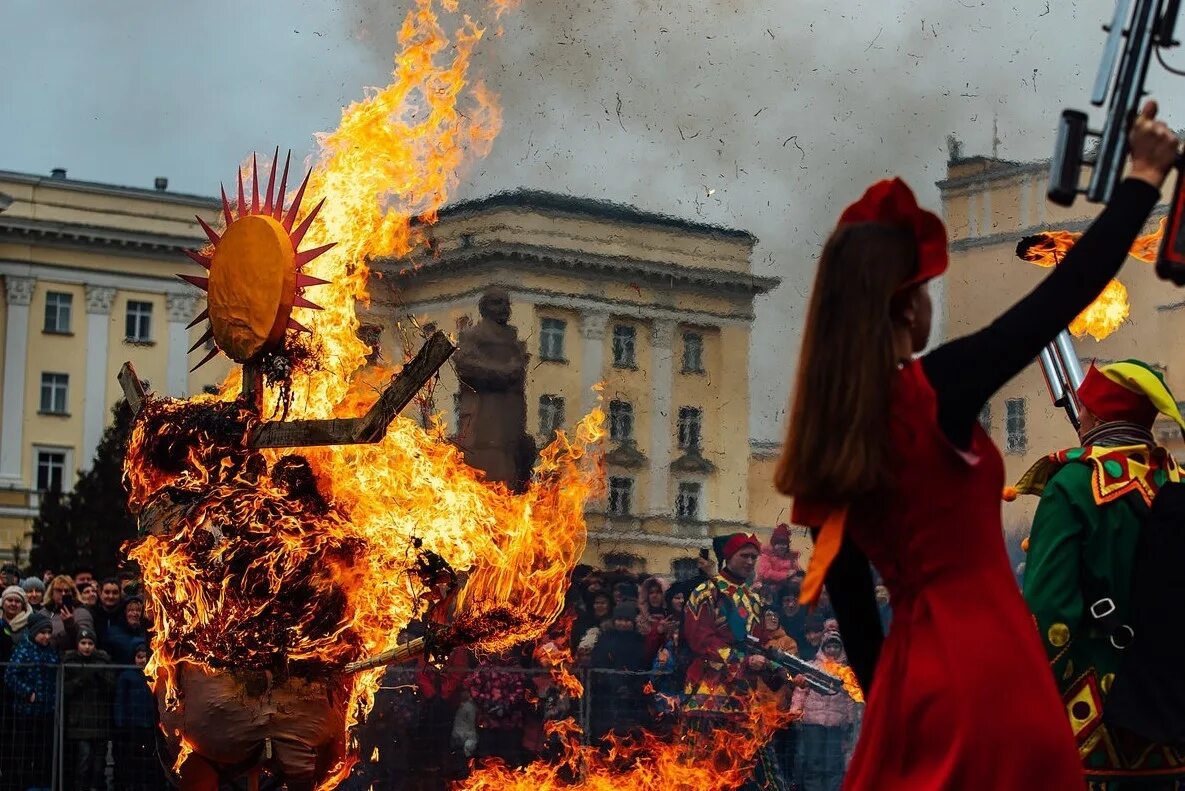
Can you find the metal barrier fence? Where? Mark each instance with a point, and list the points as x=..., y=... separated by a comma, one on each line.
x=72, y=727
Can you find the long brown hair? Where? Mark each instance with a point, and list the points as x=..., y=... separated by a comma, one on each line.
x=837, y=441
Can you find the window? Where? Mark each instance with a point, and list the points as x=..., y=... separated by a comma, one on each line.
x=1017, y=440
x=687, y=501
x=551, y=414
x=693, y=353
x=621, y=496
x=139, y=322
x=551, y=339
x=51, y=470
x=684, y=568
x=623, y=346
x=621, y=421
x=57, y=311
x=690, y=419
x=54, y=389
x=985, y=417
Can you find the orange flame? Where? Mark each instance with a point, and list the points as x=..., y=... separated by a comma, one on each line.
x=1111, y=308
x=222, y=581
x=847, y=675
x=712, y=759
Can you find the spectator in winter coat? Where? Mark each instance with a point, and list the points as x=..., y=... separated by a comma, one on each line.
x=32, y=681
x=777, y=562
x=654, y=618
x=590, y=626
x=9, y=575
x=66, y=613
x=108, y=611
x=136, y=765
x=34, y=591
x=773, y=635
x=125, y=634
x=825, y=726
x=619, y=705
x=812, y=630
x=14, y=617
x=791, y=613
x=87, y=692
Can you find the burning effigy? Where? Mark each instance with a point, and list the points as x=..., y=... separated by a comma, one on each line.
x=294, y=524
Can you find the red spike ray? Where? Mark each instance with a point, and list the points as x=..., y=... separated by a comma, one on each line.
x=201, y=282
x=271, y=181
x=205, y=314
x=242, y=200
x=307, y=281
x=303, y=228
x=205, y=359
x=280, y=195
x=293, y=324
x=254, y=183
x=290, y=217
x=302, y=258
x=226, y=213
x=201, y=259
x=211, y=234
x=301, y=302
x=207, y=335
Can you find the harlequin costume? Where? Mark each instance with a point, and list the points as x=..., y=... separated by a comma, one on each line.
x=1094, y=501
x=718, y=685
x=959, y=692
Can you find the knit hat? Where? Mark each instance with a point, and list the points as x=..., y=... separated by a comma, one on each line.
x=627, y=609
x=10, y=569
x=33, y=584
x=39, y=622
x=86, y=634
x=15, y=590
x=781, y=534
x=1131, y=391
x=728, y=545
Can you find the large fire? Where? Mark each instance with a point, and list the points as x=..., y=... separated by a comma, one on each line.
x=309, y=557
x=1105, y=315
x=717, y=760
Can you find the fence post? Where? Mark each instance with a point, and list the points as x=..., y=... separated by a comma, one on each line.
x=585, y=716
x=57, y=776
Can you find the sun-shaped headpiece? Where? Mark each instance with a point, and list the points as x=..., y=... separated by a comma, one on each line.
x=255, y=277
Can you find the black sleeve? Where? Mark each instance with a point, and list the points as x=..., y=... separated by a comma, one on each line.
x=849, y=584
x=967, y=371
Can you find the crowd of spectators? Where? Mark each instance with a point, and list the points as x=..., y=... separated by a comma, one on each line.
x=429, y=722
x=623, y=629
x=90, y=636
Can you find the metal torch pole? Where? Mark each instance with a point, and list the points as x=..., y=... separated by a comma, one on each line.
x=1063, y=375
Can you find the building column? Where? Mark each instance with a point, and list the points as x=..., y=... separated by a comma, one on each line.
x=94, y=399
x=18, y=292
x=181, y=309
x=662, y=338
x=592, y=357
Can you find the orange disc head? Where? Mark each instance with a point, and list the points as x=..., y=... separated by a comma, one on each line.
x=252, y=287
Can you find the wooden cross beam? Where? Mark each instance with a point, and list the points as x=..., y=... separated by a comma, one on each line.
x=336, y=431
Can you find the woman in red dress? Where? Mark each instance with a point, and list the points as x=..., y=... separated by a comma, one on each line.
x=887, y=462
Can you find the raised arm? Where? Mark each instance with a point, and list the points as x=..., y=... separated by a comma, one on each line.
x=967, y=371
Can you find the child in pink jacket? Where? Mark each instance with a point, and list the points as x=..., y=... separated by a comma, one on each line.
x=777, y=563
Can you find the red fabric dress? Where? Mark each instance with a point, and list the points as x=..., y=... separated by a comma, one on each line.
x=962, y=698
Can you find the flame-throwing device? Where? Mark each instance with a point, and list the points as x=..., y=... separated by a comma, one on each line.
x=1138, y=30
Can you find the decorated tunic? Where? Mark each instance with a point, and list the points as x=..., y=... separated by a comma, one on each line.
x=1094, y=501
x=717, y=617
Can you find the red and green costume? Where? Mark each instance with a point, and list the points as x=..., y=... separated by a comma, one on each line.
x=1094, y=500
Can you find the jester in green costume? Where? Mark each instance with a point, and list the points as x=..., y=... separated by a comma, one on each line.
x=1094, y=500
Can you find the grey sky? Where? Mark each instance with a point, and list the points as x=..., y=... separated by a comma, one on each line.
x=784, y=109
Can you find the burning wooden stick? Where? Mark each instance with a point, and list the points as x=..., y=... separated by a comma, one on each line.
x=401, y=653
x=337, y=431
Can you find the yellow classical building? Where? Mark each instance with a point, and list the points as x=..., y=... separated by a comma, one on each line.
x=89, y=275
x=656, y=308
x=990, y=205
